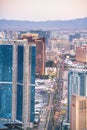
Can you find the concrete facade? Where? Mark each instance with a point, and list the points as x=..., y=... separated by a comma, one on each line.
x=78, y=113
x=81, y=54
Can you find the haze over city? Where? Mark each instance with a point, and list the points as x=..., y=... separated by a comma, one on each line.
x=41, y=10
x=43, y=64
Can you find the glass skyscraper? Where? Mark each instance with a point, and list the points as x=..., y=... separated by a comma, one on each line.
x=6, y=81
x=20, y=58
x=77, y=84
x=17, y=80
x=32, y=51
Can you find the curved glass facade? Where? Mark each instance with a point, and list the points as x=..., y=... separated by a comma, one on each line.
x=9, y=97
x=20, y=64
x=19, y=102
x=6, y=57
x=76, y=85
x=32, y=90
x=20, y=81
x=6, y=63
x=5, y=101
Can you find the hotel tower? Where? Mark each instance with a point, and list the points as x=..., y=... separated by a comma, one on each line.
x=17, y=80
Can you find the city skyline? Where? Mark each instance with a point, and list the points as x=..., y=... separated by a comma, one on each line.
x=40, y=10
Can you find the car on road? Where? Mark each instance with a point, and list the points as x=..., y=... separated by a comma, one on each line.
x=37, y=119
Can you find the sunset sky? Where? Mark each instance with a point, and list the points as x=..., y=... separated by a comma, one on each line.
x=39, y=10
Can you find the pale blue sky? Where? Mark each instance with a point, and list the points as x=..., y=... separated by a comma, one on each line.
x=39, y=10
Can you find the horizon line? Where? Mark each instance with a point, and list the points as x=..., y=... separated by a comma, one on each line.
x=43, y=20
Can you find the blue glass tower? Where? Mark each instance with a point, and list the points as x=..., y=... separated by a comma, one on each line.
x=17, y=80
x=32, y=50
x=20, y=51
x=77, y=84
x=6, y=52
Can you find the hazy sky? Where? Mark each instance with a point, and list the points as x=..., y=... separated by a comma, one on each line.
x=39, y=10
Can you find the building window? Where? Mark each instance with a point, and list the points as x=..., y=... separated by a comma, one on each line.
x=82, y=105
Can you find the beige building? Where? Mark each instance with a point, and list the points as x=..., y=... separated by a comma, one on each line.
x=81, y=53
x=78, y=113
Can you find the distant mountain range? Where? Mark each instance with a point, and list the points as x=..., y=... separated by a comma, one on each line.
x=80, y=23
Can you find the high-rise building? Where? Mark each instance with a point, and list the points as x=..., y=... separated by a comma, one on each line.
x=41, y=33
x=17, y=80
x=40, y=59
x=78, y=112
x=40, y=51
x=79, y=42
x=77, y=84
x=81, y=53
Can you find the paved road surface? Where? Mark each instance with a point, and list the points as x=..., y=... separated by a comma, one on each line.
x=42, y=120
